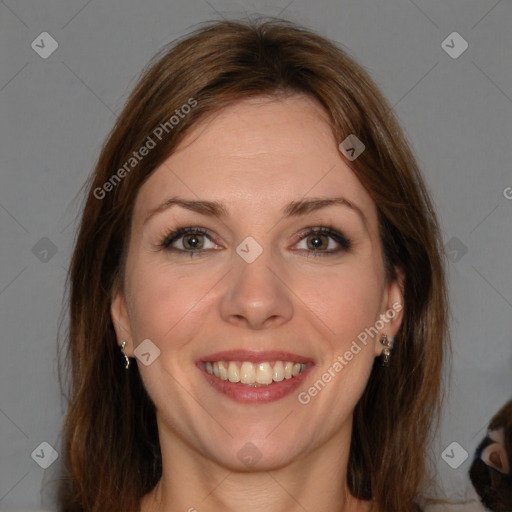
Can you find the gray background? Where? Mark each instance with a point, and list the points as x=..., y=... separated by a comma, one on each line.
x=56, y=112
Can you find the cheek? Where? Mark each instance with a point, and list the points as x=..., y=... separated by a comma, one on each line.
x=347, y=299
x=165, y=298
x=348, y=305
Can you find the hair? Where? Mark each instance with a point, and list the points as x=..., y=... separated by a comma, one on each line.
x=110, y=437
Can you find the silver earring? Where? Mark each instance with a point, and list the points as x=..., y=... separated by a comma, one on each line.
x=127, y=360
x=387, y=341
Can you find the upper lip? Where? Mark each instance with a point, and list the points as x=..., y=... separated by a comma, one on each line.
x=255, y=357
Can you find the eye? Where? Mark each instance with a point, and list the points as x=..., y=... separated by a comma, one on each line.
x=191, y=240
x=317, y=241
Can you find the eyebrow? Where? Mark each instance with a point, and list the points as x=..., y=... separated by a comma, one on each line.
x=292, y=209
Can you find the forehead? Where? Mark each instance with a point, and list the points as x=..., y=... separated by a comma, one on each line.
x=259, y=153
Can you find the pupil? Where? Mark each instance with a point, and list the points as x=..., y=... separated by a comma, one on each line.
x=316, y=242
x=194, y=240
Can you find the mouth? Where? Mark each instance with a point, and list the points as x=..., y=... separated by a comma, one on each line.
x=255, y=376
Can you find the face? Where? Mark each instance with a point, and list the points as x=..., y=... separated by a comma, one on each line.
x=266, y=291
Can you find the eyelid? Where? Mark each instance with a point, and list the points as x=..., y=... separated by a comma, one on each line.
x=175, y=234
x=344, y=243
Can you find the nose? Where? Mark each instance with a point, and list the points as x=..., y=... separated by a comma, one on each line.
x=256, y=294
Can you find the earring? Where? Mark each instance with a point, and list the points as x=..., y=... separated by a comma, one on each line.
x=127, y=360
x=387, y=341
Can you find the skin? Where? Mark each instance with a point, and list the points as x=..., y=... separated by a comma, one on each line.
x=254, y=157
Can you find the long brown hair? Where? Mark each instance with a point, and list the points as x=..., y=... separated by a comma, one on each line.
x=110, y=437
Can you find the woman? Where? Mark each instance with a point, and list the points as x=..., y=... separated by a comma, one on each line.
x=292, y=359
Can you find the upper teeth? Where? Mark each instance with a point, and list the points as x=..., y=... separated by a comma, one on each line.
x=259, y=373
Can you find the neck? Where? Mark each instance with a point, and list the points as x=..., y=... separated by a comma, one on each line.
x=194, y=483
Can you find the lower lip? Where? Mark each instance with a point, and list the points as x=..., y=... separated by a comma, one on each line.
x=255, y=394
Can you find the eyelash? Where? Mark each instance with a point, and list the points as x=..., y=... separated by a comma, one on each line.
x=337, y=236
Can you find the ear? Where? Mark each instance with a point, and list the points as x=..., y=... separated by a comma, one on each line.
x=495, y=455
x=392, y=310
x=121, y=320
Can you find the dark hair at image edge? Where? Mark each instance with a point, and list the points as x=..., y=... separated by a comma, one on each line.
x=110, y=438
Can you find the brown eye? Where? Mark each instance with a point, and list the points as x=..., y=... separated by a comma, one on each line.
x=193, y=241
x=318, y=241
x=189, y=240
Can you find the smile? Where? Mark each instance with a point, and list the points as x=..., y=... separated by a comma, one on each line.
x=254, y=374
x=255, y=377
